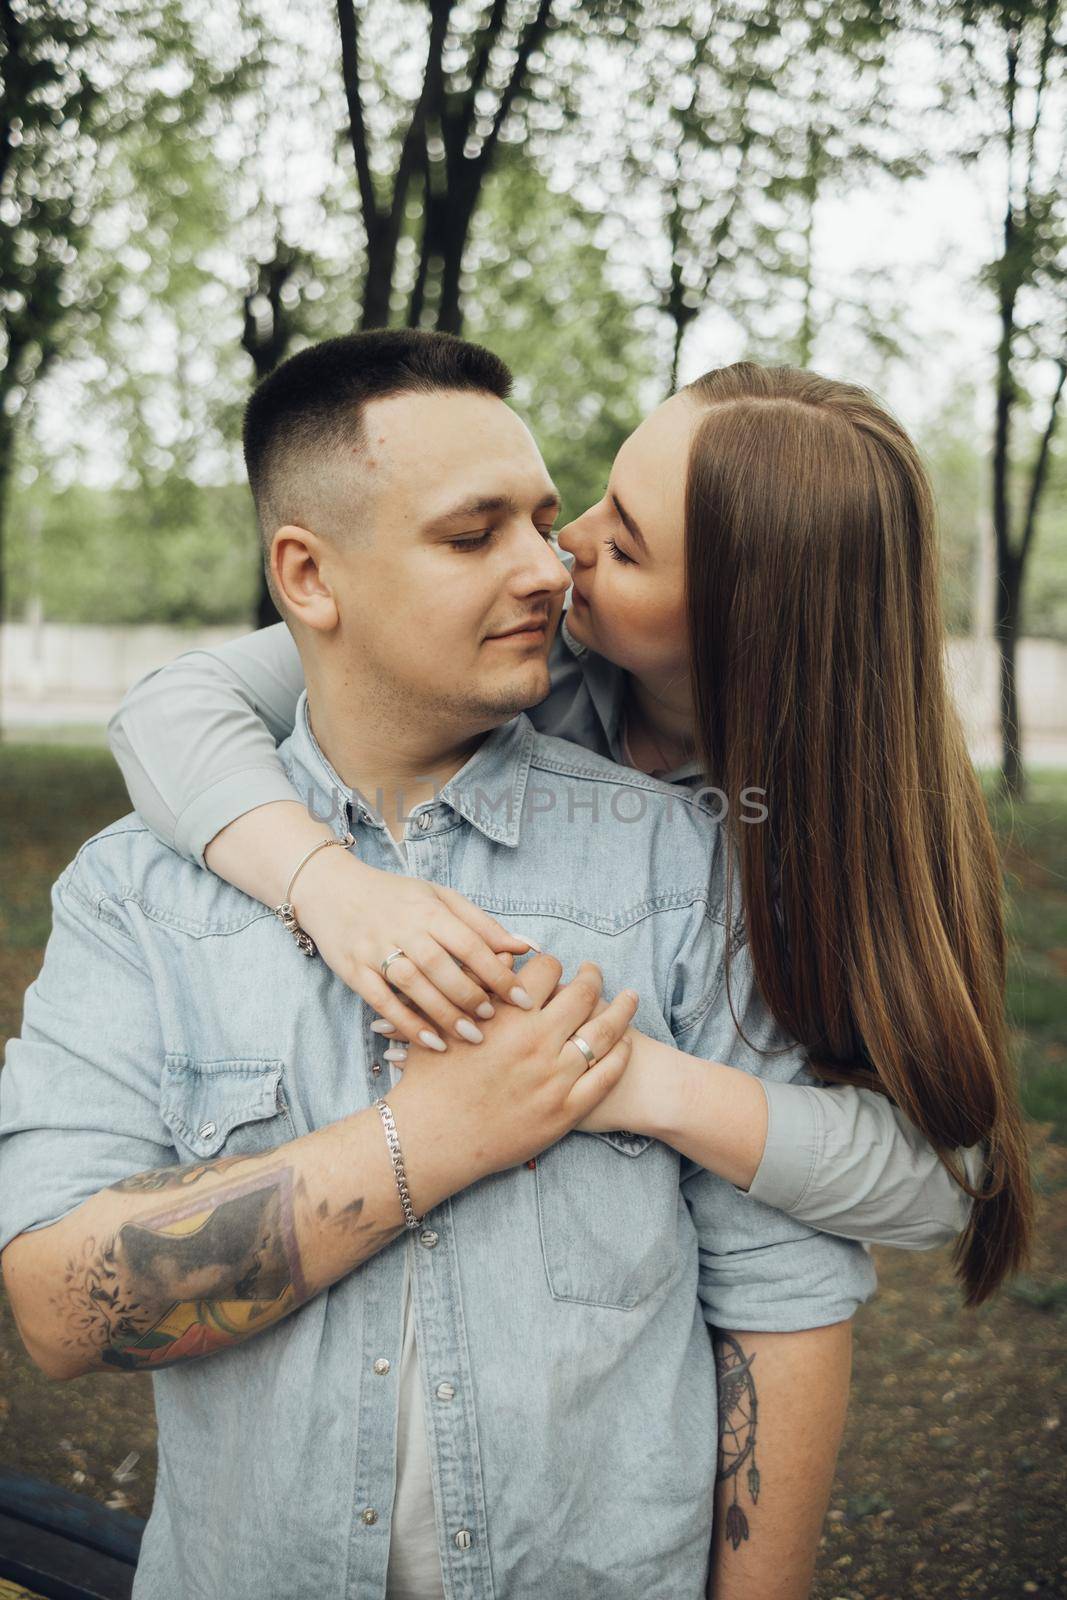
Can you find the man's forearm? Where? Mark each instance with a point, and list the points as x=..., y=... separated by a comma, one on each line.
x=183, y=1262
x=782, y=1404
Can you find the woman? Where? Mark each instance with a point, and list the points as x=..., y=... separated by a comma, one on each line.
x=755, y=604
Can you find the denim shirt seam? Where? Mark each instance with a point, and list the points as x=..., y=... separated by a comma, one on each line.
x=188, y=926
x=630, y=776
x=94, y=904
x=615, y=928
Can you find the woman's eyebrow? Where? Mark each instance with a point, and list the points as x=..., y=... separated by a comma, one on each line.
x=630, y=525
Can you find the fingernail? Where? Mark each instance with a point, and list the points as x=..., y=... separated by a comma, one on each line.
x=432, y=1040
x=467, y=1030
x=521, y=998
x=381, y=1026
x=485, y=1010
x=631, y=994
x=395, y=1053
x=531, y=943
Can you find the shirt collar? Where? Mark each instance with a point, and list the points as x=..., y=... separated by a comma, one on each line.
x=488, y=791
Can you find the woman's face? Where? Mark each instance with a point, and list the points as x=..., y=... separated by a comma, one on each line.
x=629, y=552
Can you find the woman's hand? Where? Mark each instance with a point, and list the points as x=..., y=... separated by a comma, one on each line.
x=356, y=914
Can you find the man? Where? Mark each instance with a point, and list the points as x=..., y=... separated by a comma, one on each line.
x=515, y=1393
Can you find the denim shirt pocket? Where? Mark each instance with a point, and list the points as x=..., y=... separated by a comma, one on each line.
x=608, y=1211
x=234, y=1106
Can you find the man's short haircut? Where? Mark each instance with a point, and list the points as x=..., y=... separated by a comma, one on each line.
x=312, y=404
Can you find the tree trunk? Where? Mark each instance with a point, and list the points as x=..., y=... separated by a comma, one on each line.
x=676, y=352
x=1009, y=568
x=265, y=342
x=7, y=461
x=1009, y=590
x=378, y=281
x=446, y=227
x=450, y=305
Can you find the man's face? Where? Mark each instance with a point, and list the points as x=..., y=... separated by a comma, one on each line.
x=450, y=509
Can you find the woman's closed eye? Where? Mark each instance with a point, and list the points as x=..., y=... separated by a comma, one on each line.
x=618, y=555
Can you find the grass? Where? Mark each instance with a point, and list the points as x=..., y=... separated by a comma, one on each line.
x=1034, y=839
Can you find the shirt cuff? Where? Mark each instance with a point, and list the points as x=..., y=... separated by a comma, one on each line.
x=794, y=1147
x=224, y=802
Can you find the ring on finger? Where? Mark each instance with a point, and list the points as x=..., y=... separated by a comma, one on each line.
x=590, y=1058
x=384, y=966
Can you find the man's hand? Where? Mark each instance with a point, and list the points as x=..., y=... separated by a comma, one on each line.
x=629, y=1104
x=508, y=1099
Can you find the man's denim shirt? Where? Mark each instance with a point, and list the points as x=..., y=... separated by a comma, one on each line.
x=562, y=1312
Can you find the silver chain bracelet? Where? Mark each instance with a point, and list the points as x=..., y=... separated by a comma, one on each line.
x=285, y=912
x=392, y=1139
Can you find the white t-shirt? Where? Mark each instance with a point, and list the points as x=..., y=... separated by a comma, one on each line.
x=414, y=1562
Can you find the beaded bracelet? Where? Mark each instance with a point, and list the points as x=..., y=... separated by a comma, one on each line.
x=285, y=912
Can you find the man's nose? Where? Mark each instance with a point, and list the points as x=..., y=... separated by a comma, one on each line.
x=545, y=572
x=576, y=539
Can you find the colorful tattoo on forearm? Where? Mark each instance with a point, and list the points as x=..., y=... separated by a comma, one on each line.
x=187, y=1281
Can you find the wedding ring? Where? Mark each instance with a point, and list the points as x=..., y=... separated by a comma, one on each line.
x=384, y=967
x=590, y=1058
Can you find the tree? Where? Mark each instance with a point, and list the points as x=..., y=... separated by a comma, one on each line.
x=470, y=86
x=543, y=300
x=89, y=91
x=1016, y=60
x=734, y=118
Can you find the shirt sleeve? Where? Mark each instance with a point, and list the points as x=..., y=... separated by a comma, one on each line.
x=761, y=1269
x=79, y=1092
x=846, y=1160
x=196, y=740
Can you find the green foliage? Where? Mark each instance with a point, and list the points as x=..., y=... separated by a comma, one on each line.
x=956, y=447
x=97, y=107
x=174, y=552
x=539, y=295
x=1035, y=832
x=163, y=548
x=956, y=458
x=1045, y=600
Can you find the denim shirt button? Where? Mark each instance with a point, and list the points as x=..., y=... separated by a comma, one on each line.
x=428, y=1238
x=381, y=1366
x=370, y=1516
x=424, y=821
x=445, y=1391
x=462, y=1540
x=206, y=1131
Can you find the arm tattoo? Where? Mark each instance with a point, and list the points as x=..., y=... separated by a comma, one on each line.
x=737, y=1428
x=190, y=1280
x=219, y=1265
x=176, y=1177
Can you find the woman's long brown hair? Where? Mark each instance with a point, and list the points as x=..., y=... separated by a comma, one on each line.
x=872, y=892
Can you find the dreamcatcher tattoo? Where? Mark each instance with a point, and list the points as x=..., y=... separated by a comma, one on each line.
x=737, y=1428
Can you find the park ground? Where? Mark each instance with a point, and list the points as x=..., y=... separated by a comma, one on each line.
x=952, y=1479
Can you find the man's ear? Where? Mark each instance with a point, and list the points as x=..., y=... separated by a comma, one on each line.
x=299, y=565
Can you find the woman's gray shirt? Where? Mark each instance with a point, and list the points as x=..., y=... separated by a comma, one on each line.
x=196, y=741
